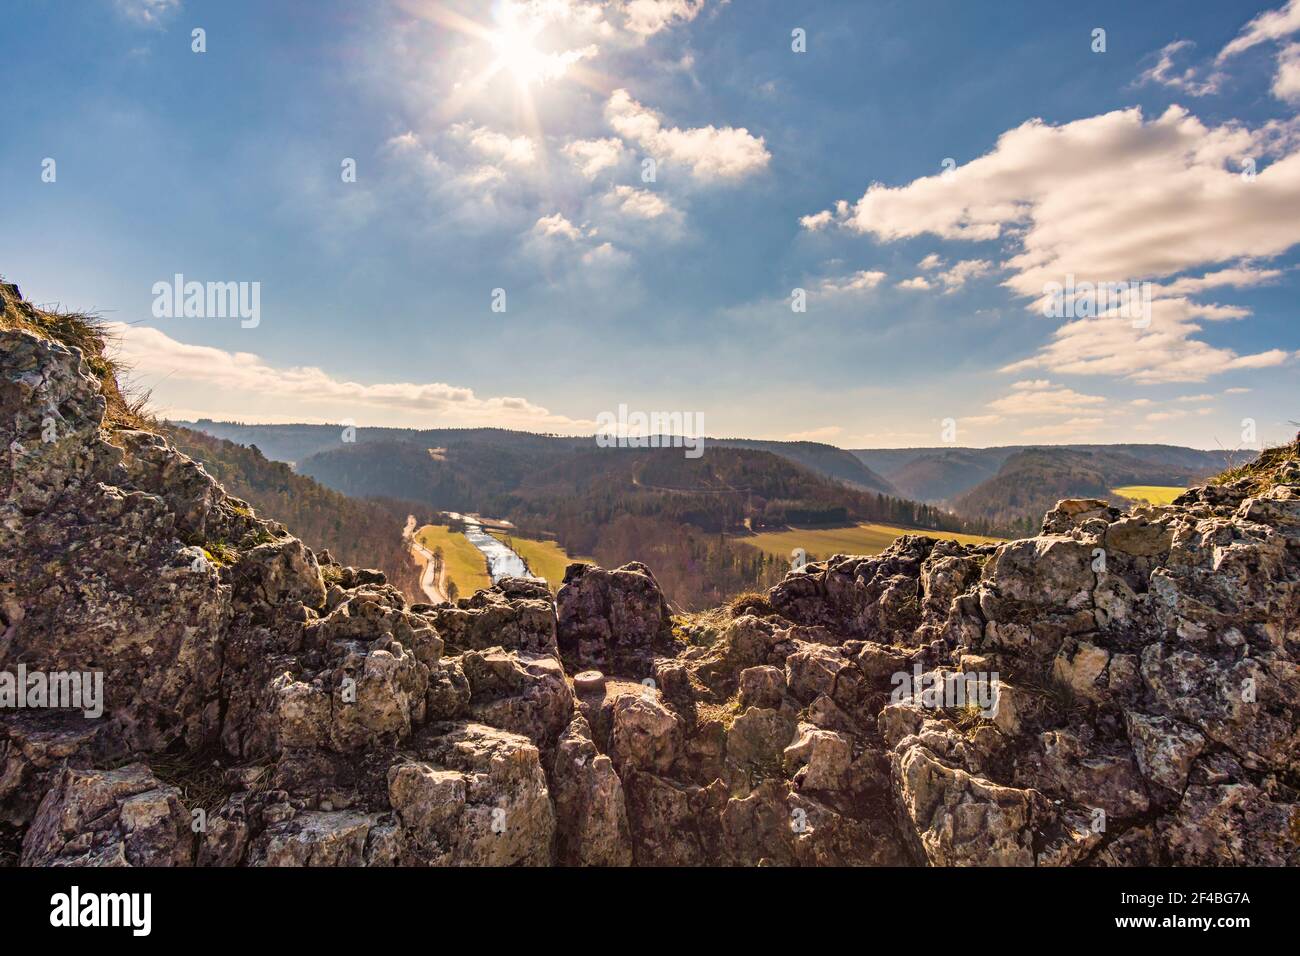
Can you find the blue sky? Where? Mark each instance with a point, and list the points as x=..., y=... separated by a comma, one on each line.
x=501, y=146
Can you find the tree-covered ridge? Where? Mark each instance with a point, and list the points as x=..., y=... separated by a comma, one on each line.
x=361, y=532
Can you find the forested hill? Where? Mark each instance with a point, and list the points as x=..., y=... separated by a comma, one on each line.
x=943, y=473
x=296, y=443
x=1031, y=481
x=725, y=490
x=361, y=532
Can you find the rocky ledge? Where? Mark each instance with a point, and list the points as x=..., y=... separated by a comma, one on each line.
x=1121, y=689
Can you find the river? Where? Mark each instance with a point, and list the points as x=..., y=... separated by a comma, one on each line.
x=501, y=560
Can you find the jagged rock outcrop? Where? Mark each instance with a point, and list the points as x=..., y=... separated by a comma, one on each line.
x=612, y=620
x=1122, y=689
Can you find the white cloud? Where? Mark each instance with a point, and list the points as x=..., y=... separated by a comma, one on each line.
x=198, y=380
x=641, y=203
x=1286, y=82
x=1041, y=397
x=497, y=146
x=950, y=279
x=710, y=152
x=1166, y=74
x=403, y=142
x=557, y=225
x=860, y=281
x=607, y=256
x=1115, y=198
x=817, y=221
x=1236, y=278
x=1041, y=187
x=149, y=12
x=648, y=17
x=1270, y=25
x=479, y=161
x=962, y=272
x=1163, y=352
x=482, y=176
x=591, y=156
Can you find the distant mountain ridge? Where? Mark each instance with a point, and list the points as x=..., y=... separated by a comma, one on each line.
x=294, y=443
x=826, y=460
x=945, y=473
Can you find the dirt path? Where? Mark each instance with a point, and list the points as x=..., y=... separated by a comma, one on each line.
x=435, y=591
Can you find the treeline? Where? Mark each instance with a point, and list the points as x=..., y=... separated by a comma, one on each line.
x=696, y=570
x=361, y=532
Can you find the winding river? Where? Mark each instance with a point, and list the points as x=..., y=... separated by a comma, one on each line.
x=501, y=560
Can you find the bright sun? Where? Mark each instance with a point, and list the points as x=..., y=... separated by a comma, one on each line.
x=515, y=52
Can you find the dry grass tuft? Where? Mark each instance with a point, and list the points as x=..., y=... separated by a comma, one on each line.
x=1262, y=473
x=751, y=603
x=127, y=408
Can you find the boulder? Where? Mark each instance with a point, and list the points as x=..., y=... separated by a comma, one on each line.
x=613, y=621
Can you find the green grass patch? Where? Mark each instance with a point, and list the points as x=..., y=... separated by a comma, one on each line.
x=465, y=563
x=1151, y=494
x=859, y=539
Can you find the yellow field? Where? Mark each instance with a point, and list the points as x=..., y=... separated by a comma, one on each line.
x=861, y=539
x=1151, y=494
x=465, y=563
x=546, y=559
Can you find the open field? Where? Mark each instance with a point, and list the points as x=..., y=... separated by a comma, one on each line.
x=546, y=559
x=860, y=539
x=466, y=565
x=1151, y=494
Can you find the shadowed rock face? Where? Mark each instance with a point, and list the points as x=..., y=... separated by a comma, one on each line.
x=612, y=620
x=292, y=712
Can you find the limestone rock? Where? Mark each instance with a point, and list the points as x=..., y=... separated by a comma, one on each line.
x=613, y=621
x=124, y=817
